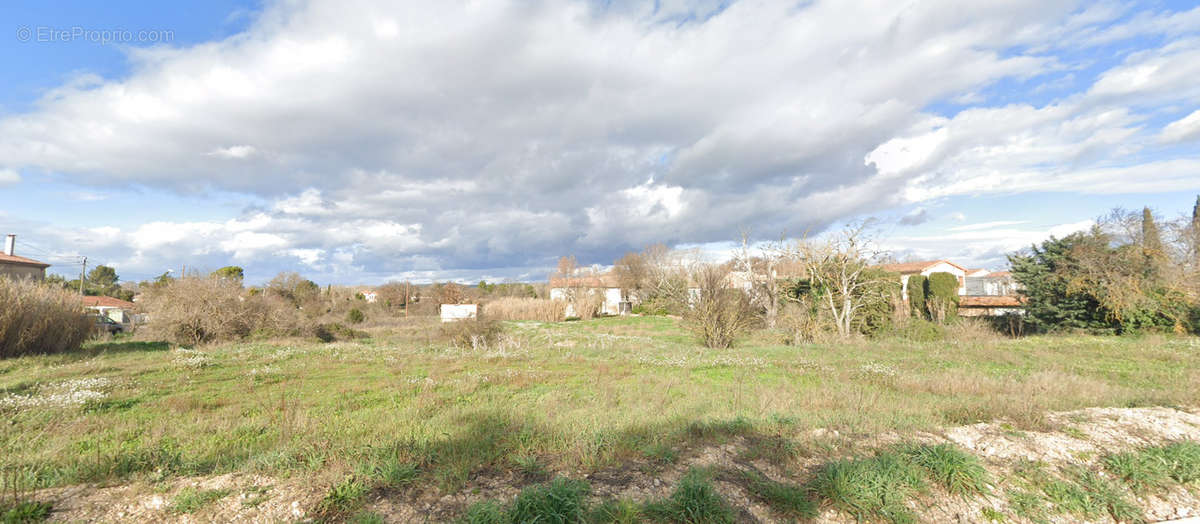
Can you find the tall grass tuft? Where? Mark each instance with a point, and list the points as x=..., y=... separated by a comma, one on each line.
x=39, y=319
x=519, y=308
x=695, y=501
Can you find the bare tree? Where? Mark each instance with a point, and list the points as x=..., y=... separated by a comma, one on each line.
x=837, y=269
x=759, y=269
x=632, y=275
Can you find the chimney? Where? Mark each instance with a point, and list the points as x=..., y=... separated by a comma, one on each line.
x=10, y=243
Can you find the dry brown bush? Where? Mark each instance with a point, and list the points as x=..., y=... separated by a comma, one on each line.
x=972, y=330
x=717, y=315
x=587, y=303
x=39, y=319
x=513, y=308
x=196, y=310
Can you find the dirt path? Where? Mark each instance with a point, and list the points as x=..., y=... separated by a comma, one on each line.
x=1080, y=437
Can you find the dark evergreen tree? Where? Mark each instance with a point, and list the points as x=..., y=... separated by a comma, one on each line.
x=1044, y=275
x=941, y=292
x=916, y=296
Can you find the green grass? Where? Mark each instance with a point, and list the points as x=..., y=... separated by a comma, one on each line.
x=400, y=410
x=955, y=470
x=694, y=501
x=559, y=501
x=342, y=499
x=191, y=500
x=1074, y=491
x=787, y=499
x=24, y=512
x=872, y=488
x=1154, y=468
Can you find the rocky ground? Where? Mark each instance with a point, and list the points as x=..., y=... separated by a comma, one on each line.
x=1078, y=437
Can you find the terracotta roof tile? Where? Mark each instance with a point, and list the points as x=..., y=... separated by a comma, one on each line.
x=106, y=302
x=13, y=259
x=991, y=301
x=916, y=267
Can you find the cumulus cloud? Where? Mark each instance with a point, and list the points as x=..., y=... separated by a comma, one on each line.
x=414, y=138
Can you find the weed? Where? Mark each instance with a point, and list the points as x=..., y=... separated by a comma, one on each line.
x=695, y=501
x=389, y=473
x=952, y=468
x=365, y=517
x=786, y=499
x=991, y=514
x=1027, y=505
x=616, y=512
x=343, y=498
x=1153, y=468
x=661, y=453
x=25, y=512
x=871, y=488
x=486, y=512
x=529, y=466
x=190, y=500
x=559, y=501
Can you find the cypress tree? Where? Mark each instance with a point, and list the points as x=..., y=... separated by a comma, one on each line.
x=1151, y=240
x=916, y=296
x=1195, y=234
x=943, y=290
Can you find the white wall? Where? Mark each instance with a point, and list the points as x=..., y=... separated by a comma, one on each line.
x=456, y=312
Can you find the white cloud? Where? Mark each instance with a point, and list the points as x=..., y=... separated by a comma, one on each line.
x=234, y=152
x=409, y=136
x=9, y=177
x=1186, y=128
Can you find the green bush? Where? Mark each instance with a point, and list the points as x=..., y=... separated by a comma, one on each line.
x=916, y=296
x=941, y=296
x=355, y=316
x=920, y=330
x=335, y=331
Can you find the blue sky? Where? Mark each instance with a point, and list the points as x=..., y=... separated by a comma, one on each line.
x=366, y=141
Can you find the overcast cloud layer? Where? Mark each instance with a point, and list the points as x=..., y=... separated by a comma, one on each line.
x=456, y=139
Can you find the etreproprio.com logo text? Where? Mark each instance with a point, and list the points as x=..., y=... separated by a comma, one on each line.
x=49, y=34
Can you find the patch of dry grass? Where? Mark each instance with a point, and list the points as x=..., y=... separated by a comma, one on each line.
x=519, y=308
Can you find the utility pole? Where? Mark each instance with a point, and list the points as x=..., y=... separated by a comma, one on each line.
x=82, y=272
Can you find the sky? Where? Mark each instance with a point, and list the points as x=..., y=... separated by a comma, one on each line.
x=359, y=142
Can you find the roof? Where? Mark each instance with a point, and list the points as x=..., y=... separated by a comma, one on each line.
x=601, y=280
x=991, y=301
x=21, y=261
x=1000, y=274
x=916, y=267
x=107, y=302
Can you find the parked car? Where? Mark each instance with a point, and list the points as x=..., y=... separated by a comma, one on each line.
x=104, y=324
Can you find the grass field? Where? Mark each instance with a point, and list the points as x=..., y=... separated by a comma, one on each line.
x=402, y=408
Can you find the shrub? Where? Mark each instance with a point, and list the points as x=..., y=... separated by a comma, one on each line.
x=919, y=330
x=472, y=333
x=355, y=316
x=941, y=296
x=333, y=332
x=38, y=318
x=514, y=308
x=196, y=310
x=916, y=296
x=717, y=315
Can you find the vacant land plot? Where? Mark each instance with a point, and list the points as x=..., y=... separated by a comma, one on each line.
x=401, y=422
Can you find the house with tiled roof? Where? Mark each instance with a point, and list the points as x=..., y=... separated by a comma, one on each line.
x=18, y=267
x=114, y=308
x=926, y=268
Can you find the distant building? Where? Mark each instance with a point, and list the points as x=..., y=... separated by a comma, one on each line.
x=15, y=267
x=926, y=268
x=604, y=285
x=114, y=308
x=995, y=283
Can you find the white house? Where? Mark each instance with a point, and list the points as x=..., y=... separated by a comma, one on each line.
x=994, y=283
x=926, y=268
x=604, y=285
x=114, y=308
